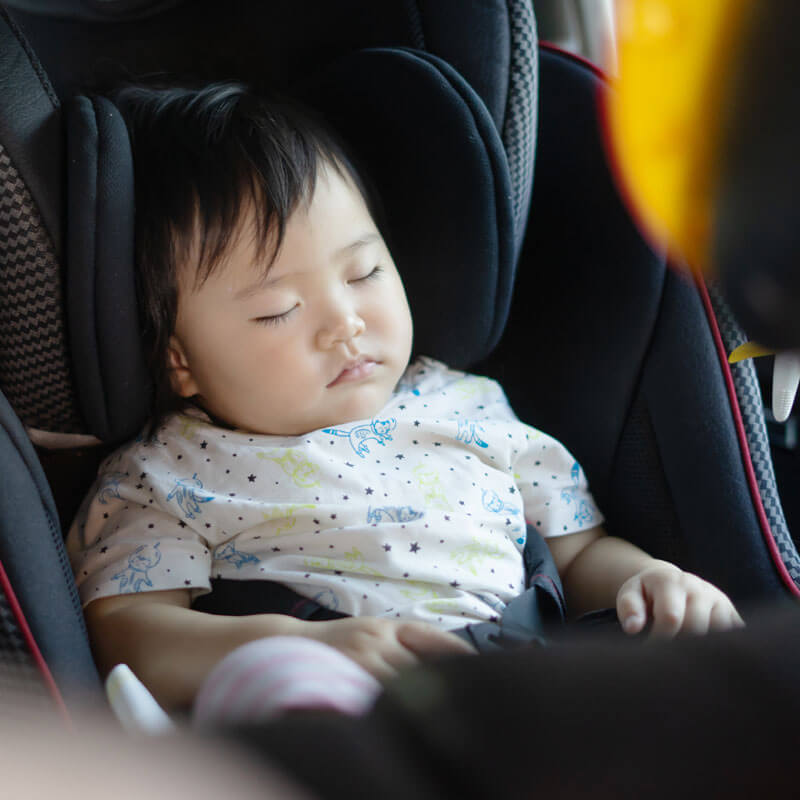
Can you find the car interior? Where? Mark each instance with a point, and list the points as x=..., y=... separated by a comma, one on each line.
x=488, y=141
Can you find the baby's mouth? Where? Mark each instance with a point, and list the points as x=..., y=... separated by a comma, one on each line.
x=355, y=370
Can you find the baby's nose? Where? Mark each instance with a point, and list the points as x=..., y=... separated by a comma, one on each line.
x=343, y=329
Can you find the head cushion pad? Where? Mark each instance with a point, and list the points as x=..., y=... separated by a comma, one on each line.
x=424, y=139
x=112, y=382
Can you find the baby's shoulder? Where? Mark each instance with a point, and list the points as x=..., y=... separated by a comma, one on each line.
x=179, y=435
x=427, y=377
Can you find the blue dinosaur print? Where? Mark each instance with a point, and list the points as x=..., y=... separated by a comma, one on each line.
x=494, y=503
x=468, y=432
x=393, y=514
x=236, y=557
x=186, y=495
x=109, y=487
x=134, y=576
x=584, y=513
x=378, y=429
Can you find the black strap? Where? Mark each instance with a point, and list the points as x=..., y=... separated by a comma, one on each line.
x=240, y=598
x=533, y=617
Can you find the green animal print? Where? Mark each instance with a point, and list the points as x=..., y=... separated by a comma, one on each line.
x=286, y=515
x=303, y=472
x=473, y=555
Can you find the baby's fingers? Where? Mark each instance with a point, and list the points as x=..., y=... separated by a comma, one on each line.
x=724, y=616
x=631, y=606
x=697, y=619
x=425, y=640
x=669, y=610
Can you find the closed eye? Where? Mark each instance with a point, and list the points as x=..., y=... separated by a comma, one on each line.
x=374, y=273
x=274, y=319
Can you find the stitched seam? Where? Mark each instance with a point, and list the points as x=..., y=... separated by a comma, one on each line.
x=32, y=60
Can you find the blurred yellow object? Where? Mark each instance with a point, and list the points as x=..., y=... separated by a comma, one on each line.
x=666, y=113
x=749, y=350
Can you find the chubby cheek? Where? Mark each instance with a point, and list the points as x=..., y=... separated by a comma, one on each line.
x=395, y=327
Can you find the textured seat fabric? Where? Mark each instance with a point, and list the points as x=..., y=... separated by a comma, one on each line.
x=35, y=367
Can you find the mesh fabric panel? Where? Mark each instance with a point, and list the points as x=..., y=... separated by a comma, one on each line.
x=751, y=405
x=519, y=128
x=34, y=372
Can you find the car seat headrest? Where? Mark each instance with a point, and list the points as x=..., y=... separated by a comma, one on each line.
x=427, y=143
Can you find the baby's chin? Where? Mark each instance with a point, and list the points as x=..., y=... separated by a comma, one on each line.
x=352, y=410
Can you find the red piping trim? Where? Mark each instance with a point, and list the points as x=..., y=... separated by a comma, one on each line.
x=22, y=624
x=747, y=461
x=554, y=48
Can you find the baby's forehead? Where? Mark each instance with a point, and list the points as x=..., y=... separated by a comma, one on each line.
x=254, y=238
x=245, y=249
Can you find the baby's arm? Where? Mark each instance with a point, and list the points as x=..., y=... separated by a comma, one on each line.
x=172, y=648
x=600, y=571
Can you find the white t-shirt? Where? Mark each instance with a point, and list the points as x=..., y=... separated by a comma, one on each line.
x=417, y=513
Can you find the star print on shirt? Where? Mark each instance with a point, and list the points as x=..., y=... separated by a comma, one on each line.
x=203, y=445
x=251, y=478
x=387, y=547
x=414, y=547
x=368, y=490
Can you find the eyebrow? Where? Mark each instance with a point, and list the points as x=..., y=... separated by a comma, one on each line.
x=362, y=241
x=348, y=250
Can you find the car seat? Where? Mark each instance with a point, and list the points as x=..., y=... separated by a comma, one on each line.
x=600, y=343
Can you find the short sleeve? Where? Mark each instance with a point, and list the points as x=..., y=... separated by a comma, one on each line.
x=554, y=490
x=121, y=545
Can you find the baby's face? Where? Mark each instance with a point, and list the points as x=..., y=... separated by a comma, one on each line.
x=322, y=340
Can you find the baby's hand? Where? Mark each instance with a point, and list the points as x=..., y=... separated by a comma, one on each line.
x=384, y=646
x=675, y=601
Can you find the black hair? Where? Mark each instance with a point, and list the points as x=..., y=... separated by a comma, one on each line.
x=201, y=156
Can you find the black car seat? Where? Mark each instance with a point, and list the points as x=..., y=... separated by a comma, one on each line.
x=68, y=377
x=601, y=344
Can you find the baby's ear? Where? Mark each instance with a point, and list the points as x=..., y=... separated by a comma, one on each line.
x=180, y=375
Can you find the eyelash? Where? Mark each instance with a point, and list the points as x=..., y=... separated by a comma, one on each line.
x=376, y=272
x=277, y=319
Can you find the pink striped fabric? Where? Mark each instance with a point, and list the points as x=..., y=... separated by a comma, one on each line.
x=268, y=677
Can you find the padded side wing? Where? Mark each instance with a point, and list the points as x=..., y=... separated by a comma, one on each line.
x=612, y=352
x=35, y=562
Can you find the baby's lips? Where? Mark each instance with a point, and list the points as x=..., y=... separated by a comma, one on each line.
x=367, y=363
